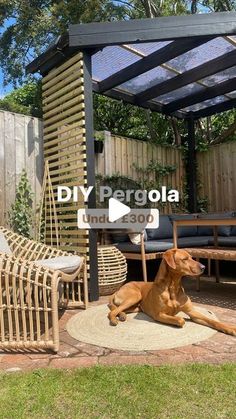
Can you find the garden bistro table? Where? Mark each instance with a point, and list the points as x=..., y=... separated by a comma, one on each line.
x=207, y=253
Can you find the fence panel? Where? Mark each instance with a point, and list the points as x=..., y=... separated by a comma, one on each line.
x=126, y=156
x=21, y=147
x=217, y=176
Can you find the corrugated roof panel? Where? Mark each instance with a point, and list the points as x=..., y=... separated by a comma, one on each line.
x=205, y=104
x=206, y=52
x=148, y=79
x=179, y=93
x=232, y=94
x=110, y=60
x=150, y=47
x=221, y=76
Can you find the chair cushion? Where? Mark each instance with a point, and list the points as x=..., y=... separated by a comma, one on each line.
x=119, y=237
x=165, y=230
x=224, y=241
x=4, y=246
x=122, y=236
x=151, y=246
x=194, y=241
x=66, y=264
x=222, y=230
x=184, y=231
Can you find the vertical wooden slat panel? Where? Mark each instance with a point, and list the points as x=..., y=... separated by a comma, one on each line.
x=64, y=132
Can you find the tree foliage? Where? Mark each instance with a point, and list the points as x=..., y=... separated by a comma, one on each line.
x=28, y=28
x=26, y=100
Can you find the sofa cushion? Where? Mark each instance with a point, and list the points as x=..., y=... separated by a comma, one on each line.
x=151, y=246
x=233, y=231
x=194, y=241
x=4, y=246
x=222, y=230
x=224, y=241
x=184, y=231
x=165, y=230
x=66, y=264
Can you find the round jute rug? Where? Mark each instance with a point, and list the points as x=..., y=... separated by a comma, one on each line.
x=138, y=333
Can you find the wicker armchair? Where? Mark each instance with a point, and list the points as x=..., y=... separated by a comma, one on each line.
x=30, y=294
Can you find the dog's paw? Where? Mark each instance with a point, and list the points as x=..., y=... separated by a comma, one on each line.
x=122, y=316
x=113, y=321
x=181, y=322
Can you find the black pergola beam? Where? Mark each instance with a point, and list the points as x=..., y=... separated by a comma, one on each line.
x=150, y=30
x=129, y=98
x=173, y=50
x=197, y=73
x=208, y=93
x=212, y=110
x=90, y=165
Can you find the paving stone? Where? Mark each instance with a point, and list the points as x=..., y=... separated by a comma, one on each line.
x=193, y=350
x=92, y=350
x=76, y=362
x=113, y=359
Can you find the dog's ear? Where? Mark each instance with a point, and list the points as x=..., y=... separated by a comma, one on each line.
x=169, y=257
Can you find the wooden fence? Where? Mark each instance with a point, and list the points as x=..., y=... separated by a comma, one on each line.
x=217, y=176
x=126, y=156
x=20, y=148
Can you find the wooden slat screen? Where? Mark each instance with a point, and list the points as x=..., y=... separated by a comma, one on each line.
x=65, y=147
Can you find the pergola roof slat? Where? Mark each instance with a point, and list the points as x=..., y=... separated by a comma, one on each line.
x=197, y=73
x=173, y=50
x=208, y=93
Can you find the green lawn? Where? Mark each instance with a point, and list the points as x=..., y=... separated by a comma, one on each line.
x=190, y=391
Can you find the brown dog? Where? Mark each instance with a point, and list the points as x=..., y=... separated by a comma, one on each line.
x=165, y=297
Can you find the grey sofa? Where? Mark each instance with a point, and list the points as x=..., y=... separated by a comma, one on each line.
x=158, y=240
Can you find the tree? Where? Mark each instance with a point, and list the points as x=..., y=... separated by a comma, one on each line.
x=29, y=26
x=25, y=100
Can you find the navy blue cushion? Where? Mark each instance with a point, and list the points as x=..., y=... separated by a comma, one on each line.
x=151, y=246
x=233, y=231
x=184, y=231
x=165, y=230
x=224, y=241
x=222, y=230
x=194, y=241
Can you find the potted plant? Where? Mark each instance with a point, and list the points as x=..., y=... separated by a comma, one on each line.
x=99, y=142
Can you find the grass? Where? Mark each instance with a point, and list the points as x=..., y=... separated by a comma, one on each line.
x=179, y=392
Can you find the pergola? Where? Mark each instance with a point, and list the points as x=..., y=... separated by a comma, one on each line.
x=182, y=66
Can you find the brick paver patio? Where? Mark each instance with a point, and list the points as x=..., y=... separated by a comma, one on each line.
x=220, y=298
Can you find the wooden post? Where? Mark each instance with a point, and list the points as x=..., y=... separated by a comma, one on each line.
x=143, y=256
x=192, y=167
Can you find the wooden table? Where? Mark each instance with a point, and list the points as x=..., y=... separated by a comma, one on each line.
x=207, y=253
